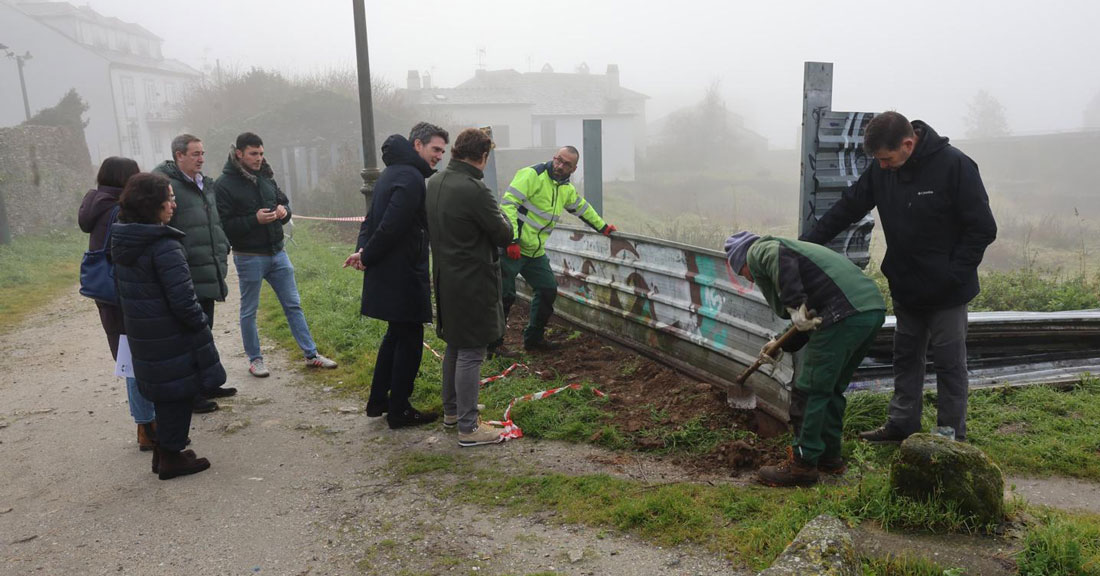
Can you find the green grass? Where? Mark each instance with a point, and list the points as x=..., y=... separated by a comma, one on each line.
x=36, y=269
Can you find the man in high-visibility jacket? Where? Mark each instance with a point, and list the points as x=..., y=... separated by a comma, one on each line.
x=534, y=203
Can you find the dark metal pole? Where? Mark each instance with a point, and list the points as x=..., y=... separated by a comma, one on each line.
x=593, y=163
x=23, y=84
x=366, y=108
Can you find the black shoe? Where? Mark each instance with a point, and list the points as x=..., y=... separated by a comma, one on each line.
x=221, y=392
x=375, y=411
x=883, y=435
x=203, y=406
x=411, y=417
x=543, y=345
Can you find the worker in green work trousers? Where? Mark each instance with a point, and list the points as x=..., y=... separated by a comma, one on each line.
x=837, y=311
x=533, y=203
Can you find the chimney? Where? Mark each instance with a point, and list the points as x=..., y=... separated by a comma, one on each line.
x=414, y=80
x=613, y=76
x=426, y=78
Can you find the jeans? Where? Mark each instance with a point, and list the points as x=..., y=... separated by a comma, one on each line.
x=252, y=269
x=140, y=409
x=461, y=384
x=396, y=367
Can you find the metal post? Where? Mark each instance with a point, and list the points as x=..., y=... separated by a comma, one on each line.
x=19, y=60
x=5, y=229
x=593, y=164
x=817, y=98
x=366, y=109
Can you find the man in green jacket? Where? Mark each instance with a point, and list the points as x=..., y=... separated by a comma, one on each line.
x=467, y=231
x=837, y=310
x=253, y=210
x=533, y=204
x=205, y=244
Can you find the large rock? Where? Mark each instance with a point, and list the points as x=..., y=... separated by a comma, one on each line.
x=931, y=467
x=822, y=547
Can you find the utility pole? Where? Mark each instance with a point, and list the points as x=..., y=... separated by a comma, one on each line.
x=366, y=104
x=20, y=60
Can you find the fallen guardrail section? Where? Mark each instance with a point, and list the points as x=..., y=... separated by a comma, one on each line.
x=678, y=304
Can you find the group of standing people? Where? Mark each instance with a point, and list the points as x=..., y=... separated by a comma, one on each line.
x=935, y=215
x=169, y=249
x=478, y=247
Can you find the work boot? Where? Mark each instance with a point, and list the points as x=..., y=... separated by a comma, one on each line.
x=147, y=436
x=499, y=352
x=834, y=465
x=220, y=392
x=793, y=472
x=883, y=435
x=173, y=464
x=156, y=458
x=541, y=345
x=410, y=417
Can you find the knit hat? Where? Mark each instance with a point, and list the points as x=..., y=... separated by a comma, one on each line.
x=737, y=249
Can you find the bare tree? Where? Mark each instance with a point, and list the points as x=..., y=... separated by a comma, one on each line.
x=986, y=117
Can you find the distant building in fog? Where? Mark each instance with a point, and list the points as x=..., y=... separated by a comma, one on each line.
x=544, y=110
x=132, y=91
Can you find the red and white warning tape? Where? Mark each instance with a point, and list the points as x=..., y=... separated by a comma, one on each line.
x=511, y=431
x=333, y=219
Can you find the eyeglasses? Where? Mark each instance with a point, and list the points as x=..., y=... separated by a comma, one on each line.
x=563, y=162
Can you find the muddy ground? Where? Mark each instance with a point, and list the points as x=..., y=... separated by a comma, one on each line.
x=301, y=483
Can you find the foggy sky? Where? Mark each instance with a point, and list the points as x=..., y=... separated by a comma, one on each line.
x=924, y=59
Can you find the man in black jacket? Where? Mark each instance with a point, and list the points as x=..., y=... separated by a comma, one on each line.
x=392, y=250
x=253, y=210
x=936, y=218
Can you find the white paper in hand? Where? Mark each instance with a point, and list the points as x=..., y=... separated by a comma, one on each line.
x=124, y=367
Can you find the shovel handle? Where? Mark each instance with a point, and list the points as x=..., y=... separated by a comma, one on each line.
x=740, y=381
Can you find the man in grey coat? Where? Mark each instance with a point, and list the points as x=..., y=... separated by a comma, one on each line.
x=467, y=229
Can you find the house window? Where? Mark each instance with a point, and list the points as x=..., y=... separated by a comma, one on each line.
x=169, y=92
x=128, y=97
x=135, y=140
x=151, y=102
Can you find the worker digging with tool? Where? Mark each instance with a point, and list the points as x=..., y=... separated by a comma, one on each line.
x=837, y=311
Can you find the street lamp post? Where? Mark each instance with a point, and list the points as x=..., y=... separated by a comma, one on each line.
x=20, y=59
x=366, y=108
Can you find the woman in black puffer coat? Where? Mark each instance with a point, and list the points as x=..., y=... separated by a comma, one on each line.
x=173, y=350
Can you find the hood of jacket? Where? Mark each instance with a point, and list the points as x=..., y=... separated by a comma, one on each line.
x=928, y=143
x=130, y=239
x=397, y=150
x=97, y=203
x=233, y=167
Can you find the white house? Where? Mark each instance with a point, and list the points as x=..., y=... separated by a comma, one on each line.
x=132, y=91
x=544, y=109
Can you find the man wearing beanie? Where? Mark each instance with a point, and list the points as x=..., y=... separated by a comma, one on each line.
x=838, y=311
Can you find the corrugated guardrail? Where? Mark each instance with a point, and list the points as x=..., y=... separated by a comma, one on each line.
x=677, y=303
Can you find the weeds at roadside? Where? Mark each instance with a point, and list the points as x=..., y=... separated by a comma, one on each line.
x=34, y=270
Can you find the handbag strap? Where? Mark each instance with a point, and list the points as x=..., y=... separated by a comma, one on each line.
x=107, y=239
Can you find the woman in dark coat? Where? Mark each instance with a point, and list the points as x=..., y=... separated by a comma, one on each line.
x=173, y=350
x=95, y=216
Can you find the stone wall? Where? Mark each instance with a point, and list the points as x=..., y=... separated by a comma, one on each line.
x=44, y=173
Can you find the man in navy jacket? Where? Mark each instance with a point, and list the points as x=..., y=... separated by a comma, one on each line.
x=937, y=222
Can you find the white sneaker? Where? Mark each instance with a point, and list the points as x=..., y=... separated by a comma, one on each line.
x=257, y=369
x=319, y=361
x=483, y=434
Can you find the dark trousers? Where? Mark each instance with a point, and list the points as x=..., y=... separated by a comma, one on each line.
x=396, y=367
x=832, y=356
x=943, y=332
x=539, y=276
x=173, y=424
x=208, y=309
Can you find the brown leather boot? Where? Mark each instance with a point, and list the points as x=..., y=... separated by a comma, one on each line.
x=835, y=465
x=147, y=436
x=793, y=472
x=156, y=458
x=173, y=464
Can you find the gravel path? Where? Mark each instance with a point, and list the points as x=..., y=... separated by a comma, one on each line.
x=297, y=486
